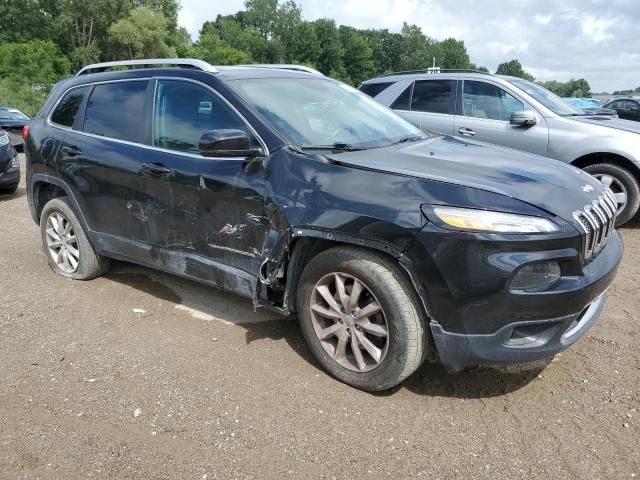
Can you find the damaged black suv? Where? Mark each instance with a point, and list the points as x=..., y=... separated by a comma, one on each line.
x=390, y=244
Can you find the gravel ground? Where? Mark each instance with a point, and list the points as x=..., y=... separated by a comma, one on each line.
x=143, y=375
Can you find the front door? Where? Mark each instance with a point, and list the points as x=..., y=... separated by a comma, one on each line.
x=486, y=111
x=209, y=220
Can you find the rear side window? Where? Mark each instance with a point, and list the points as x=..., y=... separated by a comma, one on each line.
x=373, y=89
x=403, y=101
x=66, y=111
x=116, y=110
x=432, y=96
x=184, y=112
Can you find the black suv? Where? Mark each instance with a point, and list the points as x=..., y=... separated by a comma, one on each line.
x=9, y=165
x=391, y=245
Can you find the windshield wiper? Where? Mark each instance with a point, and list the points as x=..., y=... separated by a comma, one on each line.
x=338, y=146
x=409, y=138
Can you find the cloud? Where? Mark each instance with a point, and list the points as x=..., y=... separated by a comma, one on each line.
x=592, y=39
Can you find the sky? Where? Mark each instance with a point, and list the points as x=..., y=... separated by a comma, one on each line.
x=554, y=40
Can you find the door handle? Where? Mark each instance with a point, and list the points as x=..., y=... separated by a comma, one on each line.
x=467, y=132
x=71, y=151
x=156, y=168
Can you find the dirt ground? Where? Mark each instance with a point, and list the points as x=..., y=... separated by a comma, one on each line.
x=143, y=375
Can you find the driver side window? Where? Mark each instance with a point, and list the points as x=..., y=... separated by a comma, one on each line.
x=184, y=111
x=484, y=100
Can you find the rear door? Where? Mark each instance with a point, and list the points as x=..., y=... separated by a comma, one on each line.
x=632, y=110
x=429, y=104
x=101, y=160
x=484, y=114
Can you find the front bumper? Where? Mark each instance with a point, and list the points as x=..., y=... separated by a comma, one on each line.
x=475, y=318
x=517, y=342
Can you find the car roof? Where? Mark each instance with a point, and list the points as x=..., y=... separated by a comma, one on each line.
x=421, y=75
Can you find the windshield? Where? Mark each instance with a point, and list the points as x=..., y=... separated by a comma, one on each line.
x=323, y=112
x=545, y=97
x=11, y=114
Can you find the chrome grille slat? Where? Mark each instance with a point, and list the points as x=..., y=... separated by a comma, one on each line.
x=597, y=220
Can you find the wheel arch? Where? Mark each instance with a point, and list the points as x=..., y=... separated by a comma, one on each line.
x=607, y=157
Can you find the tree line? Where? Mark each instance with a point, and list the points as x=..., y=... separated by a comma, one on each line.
x=42, y=41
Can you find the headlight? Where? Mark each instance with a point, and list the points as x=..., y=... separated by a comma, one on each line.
x=4, y=140
x=487, y=221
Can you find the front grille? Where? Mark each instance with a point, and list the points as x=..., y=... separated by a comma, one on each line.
x=597, y=220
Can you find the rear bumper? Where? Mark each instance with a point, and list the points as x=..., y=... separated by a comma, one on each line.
x=516, y=342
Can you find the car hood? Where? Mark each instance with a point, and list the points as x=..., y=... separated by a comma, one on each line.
x=617, y=123
x=548, y=184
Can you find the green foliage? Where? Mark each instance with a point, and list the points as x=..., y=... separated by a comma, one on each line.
x=452, y=54
x=37, y=62
x=513, y=68
x=21, y=95
x=573, y=88
x=142, y=34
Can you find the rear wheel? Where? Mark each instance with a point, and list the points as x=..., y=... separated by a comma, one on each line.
x=624, y=185
x=66, y=245
x=359, y=316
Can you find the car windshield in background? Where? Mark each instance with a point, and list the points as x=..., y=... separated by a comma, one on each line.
x=11, y=114
x=318, y=112
x=547, y=98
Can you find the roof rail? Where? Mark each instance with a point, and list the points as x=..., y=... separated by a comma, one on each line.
x=435, y=72
x=283, y=66
x=176, y=62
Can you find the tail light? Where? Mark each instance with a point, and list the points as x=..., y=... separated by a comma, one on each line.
x=25, y=132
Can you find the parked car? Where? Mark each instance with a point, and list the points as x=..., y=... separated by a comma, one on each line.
x=589, y=107
x=306, y=196
x=9, y=165
x=516, y=113
x=13, y=121
x=627, y=108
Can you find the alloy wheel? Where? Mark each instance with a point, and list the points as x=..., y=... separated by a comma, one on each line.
x=349, y=322
x=62, y=243
x=616, y=186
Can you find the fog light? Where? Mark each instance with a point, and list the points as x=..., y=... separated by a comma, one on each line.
x=536, y=277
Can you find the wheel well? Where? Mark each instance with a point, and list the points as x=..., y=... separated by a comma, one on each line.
x=612, y=158
x=306, y=249
x=43, y=192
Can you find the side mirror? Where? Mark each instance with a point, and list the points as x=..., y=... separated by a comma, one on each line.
x=523, y=118
x=227, y=143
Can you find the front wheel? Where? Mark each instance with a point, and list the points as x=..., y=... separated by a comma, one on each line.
x=360, y=318
x=624, y=187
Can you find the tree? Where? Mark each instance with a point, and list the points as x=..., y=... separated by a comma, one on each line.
x=513, y=68
x=38, y=62
x=417, y=49
x=452, y=53
x=330, y=55
x=303, y=46
x=356, y=57
x=143, y=34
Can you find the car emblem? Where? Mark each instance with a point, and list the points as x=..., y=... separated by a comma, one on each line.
x=587, y=188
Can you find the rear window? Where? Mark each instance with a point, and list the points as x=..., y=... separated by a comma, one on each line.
x=373, y=89
x=66, y=111
x=432, y=96
x=117, y=110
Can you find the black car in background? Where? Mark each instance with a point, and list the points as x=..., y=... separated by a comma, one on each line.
x=627, y=108
x=9, y=165
x=13, y=122
x=391, y=245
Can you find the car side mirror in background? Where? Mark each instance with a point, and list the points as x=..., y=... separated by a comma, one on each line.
x=227, y=143
x=523, y=118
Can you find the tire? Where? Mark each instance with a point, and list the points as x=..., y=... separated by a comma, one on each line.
x=623, y=181
x=89, y=264
x=383, y=283
x=8, y=191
